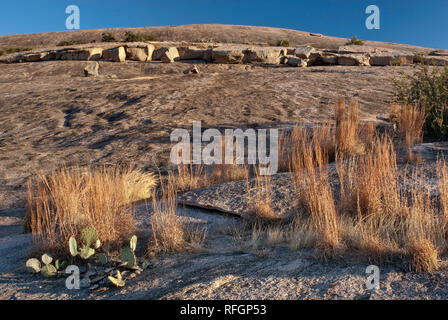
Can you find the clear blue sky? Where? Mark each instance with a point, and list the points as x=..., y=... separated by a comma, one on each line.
x=423, y=23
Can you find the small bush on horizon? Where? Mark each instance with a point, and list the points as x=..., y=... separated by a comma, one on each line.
x=427, y=88
x=355, y=41
x=136, y=37
x=108, y=37
x=283, y=43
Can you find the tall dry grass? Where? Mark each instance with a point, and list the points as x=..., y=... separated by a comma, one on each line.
x=314, y=191
x=346, y=128
x=169, y=232
x=260, y=207
x=67, y=200
x=409, y=121
x=373, y=207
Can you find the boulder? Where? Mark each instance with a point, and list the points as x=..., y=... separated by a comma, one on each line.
x=190, y=53
x=323, y=59
x=192, y=70
x=208, y=55
x=303, y=52
x=264, y=55
x=227, y=56
x=81, y=54
x=296, y=62
x=115, y=54
x=139, y=51
x=33, y=56
x=92, y=69
x=169, y=55
x=53, y=55
x=391, y=58
x=349, y=49
x=354, y=60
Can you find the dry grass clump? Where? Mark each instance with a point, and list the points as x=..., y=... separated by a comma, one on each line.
x=376, y=210
x=409, y=121
x=346, y=129
x=196, y=176
x=260, y=198
x=315, y=192
x=222, y=173
x=169, y=232
x=423, y=255
x=190, y=177
x=67, y=200
x=391, y=216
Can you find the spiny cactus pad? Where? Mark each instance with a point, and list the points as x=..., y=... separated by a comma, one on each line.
x=46, y=258
x=48, y=270
x=73, y=246
x=102, y=258
x=33, y=265
x=89, y=236
x=133, y=243
x=86, y=252
x=127, y=255
x=118, y=281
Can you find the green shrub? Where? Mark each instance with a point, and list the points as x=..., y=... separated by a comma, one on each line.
x=108, y=37
x=355, y=41
x=13, y=50
x=427, y=88
x=283, y=43
x=137, y=37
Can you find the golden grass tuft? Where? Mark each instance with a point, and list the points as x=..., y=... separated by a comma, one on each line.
x=409, y=121
x=423, y=255
x=67, y=200
x=260, y=199
x=169, y=232
x=377, y=210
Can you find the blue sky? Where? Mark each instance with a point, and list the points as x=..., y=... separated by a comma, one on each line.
x=423, y=23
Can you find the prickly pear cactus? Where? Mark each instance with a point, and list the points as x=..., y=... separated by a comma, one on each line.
x=127, y=255
x=102, y=258
x=33, y=265
x=46, y=258
x=73, y=246
x=133, y=243
x=118, y=281
x=86, y=252
x=89, y=236
x=48, y=271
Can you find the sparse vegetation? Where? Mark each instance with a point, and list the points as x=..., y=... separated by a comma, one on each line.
x=355, y=41
x=283, y=43
x=13, y=50
x=108, y=37
x=427, y=89
x=61, y=204
x=169, y=232
x=65, y=43
x=368, y=211
x=140, y=37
